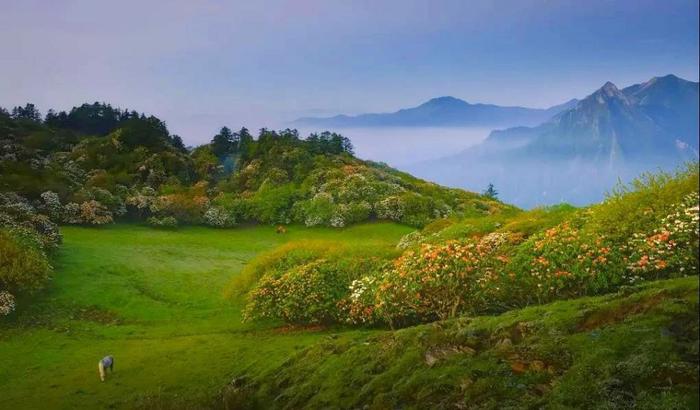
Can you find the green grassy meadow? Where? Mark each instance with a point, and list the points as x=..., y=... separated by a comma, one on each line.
x=154, y=299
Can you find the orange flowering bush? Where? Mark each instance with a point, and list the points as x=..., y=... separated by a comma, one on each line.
x=306, y=294
x=671, y=249
x=562, y=262
x=434, y=282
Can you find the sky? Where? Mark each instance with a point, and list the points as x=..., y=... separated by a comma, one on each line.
x=199, y=65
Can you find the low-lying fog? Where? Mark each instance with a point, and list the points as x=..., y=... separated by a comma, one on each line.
x=431, y=154
x=403, y=146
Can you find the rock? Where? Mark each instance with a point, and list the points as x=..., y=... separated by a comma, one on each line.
x=430, y=359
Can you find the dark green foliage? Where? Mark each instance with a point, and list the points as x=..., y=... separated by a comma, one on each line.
x=89, y=119
x=224, y=143
x=491, y=192
x=27, y=113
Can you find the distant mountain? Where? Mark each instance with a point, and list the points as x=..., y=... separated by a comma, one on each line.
x=656, y=118
x=444, y=111
x=580, y=152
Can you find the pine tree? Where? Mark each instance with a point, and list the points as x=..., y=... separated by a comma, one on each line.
x=491, y=192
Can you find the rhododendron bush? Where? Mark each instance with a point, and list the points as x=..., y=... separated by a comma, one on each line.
x=672, y=248
x=436, y=281
x=305, y=294
x=562, y=262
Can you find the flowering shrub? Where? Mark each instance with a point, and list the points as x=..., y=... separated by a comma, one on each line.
x=305, y=294
x=218, y=217
x=186, y=204
x=17, y=213
x=318, y=210
x=16, y=206
x=437, y=281
x=7, y=303
x=670, y=250
x=23, y=261
x=562, y=262
x=94, y=213
x=47, y=230
x=89, y=212
x=51, y=205
x=390, y=208
x=71, y=213
x=145, y=201
x=410, y=239
x=279, y=260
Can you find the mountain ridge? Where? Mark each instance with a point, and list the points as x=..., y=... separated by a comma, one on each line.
x=443, y=111
x=609, y=135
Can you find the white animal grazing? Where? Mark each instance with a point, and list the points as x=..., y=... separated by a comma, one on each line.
x=106, y=363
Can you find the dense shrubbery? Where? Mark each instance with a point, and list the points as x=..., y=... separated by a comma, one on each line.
x=672, y=248
x=23, y=261
x=104, y=164
x=25, y=238
x=303, y=282
x=433, y=282
x=167, y=222
x=304, y=294
x=506, y=261
x=561, y=262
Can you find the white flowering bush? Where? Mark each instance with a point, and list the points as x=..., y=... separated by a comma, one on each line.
x=360, y=307
x=71, y=213
x=390, y=208
x=144, y=200
x=16, y=206
x=672, y=248
x=337, y=220
x=7, y=303
x=410, y=239
x=17, y=212
x=51, y=205
x=218, y=217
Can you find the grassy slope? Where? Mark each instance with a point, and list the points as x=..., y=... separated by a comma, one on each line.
x=153, y=299
x=635, y=348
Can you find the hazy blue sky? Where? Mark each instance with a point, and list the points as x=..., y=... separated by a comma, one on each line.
x=201, y=64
